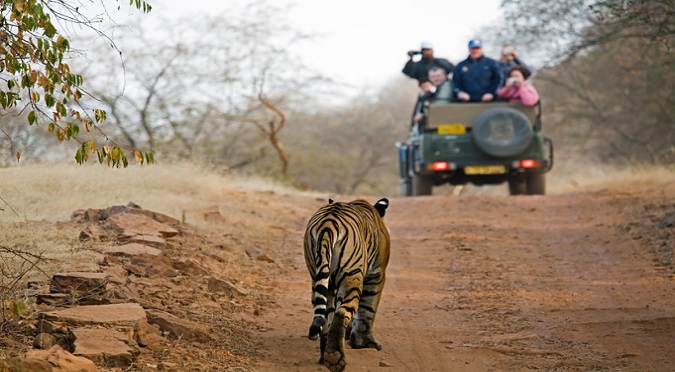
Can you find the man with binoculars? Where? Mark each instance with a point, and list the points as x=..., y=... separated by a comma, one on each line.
x=420, y=69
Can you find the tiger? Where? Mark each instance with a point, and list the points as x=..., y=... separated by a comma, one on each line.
x=346, y=248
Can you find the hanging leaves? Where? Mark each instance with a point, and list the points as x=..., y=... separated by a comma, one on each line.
x=32, y=61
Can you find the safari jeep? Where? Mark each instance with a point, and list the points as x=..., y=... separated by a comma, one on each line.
x=479, y=143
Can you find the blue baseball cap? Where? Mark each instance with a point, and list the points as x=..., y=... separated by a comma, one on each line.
x=475, y=43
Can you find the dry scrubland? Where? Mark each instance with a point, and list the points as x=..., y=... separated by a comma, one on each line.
x=52, y=192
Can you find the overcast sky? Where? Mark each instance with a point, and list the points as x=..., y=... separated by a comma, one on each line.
x=364, y=42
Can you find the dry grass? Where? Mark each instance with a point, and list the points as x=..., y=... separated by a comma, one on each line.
x=642, y=178
x=33, y=195
x=54, y=192
x=567, y=178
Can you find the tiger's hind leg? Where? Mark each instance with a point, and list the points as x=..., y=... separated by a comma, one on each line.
x=330, y=316
x=349, y=330
x=333, y=356
x=322, y=344
x=361, y=336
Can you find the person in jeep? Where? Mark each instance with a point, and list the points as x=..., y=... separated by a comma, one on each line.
x=508, y=59
x=420, y=69
x=443, y=84
x=439, y=91
x=518, y=88
x=477, y=78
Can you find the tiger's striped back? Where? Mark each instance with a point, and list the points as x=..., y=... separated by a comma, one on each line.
x=346, y=249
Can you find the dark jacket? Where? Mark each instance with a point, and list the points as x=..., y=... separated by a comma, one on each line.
x=477, y=77
x=420, y=70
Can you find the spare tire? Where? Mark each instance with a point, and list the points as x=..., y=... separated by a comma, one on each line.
x=502, y=132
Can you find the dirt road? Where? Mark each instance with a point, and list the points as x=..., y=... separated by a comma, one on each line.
x=580, y=281
x=491, y=283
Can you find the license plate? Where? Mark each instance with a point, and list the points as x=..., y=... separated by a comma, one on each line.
x=451, y=129
x=484, y=169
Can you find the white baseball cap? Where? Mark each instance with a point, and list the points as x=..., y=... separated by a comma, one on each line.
x=426, y=45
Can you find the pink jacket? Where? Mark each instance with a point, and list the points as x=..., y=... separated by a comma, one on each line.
x=526, y=94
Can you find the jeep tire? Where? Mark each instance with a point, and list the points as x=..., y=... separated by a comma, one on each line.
x=517, y=186
x=421, y=185
x=406, y=186
x=536, y=184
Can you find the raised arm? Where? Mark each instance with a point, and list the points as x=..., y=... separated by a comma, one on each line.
x=409, y=68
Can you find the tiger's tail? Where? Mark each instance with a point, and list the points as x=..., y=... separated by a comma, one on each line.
x=324, y=243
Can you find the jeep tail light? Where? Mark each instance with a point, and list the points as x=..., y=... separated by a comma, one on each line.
x=440, y=166
x=530, y=163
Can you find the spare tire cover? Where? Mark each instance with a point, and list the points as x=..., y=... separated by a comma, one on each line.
x=502, y=132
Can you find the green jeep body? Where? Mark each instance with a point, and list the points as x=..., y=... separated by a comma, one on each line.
x=479, y=143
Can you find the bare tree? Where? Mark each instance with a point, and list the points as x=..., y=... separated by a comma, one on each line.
x=190, y=92
x=351, y=149
x=272, y=129
x=561, y=30
x=605, y=73
x=625, y=111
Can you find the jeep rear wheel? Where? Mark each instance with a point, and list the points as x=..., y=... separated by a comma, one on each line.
x=517, y=186
x=536, y=184
x=421, y=185
x=406, y=186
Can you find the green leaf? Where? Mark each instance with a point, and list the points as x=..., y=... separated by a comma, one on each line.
x=79, y=156
x=25, y=81
x=89, y=146
x=115, y=154
x=50, y=100
x=32, y=118
x=49, y=30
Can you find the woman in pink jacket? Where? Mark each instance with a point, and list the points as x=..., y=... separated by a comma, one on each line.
x=517, y=88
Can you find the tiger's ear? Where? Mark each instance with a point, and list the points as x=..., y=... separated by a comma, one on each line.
x=381, y=206
x=331, y=201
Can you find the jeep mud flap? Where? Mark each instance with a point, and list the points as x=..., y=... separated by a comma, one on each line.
x=549, y=143
x=403, y=159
